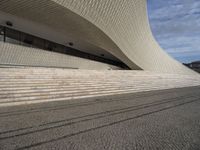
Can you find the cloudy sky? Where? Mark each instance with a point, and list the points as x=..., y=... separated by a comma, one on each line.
x=176, y=26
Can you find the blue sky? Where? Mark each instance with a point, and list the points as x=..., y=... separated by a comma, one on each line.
x=176, y=26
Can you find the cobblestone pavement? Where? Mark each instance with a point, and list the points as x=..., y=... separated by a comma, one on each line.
x=158, y=120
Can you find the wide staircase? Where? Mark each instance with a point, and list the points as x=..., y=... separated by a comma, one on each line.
x=35, y=85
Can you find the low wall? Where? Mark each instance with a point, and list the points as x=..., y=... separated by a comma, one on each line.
x=11, y=54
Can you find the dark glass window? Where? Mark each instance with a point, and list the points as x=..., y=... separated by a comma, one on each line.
x=12, y=36
x=38, y=43
x=60, y=49
x=2, y=32
x=16, y=37
x=26, y=40
x=50, y=46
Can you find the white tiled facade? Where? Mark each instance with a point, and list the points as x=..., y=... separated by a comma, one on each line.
x=120, y=27
x=11, y=54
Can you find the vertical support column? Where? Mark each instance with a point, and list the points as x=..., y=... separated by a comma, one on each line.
x=4, y=35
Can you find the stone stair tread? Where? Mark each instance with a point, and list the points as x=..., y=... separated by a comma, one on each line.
x=34, y=85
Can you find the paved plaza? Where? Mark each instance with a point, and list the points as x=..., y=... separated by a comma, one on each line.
x=158, y=120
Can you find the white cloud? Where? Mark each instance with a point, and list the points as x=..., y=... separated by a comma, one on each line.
x=176, y=26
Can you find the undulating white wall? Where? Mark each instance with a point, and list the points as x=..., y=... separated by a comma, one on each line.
x=126, y=23
x=120, y=27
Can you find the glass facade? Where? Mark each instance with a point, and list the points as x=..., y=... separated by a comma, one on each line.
x=12, y=36
x=17, y=37
x=2, y=32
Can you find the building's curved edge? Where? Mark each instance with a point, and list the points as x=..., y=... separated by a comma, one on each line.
x=162, y=50
x=64, y=21
x=146, y=52
x=120, y=27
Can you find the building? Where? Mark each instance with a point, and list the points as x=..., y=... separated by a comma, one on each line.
x=92, y=34
x=194, y=65
x=94, y=103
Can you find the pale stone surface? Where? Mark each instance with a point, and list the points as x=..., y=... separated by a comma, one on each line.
x=159, y=120
x=11, y=54
x=35, y=85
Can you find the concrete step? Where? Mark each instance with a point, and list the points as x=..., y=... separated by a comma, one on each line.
x=69, y=96
x=33, y=85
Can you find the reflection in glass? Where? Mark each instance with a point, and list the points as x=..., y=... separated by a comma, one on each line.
x=26, y=40
x=16, y=37
x=1, y=33
x=12, y=36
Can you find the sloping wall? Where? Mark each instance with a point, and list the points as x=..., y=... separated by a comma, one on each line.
x=120, y=27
